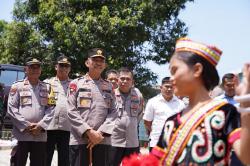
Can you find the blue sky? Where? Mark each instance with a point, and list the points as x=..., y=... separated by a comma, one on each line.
x=223, y=23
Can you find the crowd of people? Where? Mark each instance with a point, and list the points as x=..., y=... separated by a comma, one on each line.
x=94, y=121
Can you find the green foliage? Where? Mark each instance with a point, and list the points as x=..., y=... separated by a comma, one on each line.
x=132, y=32
x=3, y=25
x=18, y=41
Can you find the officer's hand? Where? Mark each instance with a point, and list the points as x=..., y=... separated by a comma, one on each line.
x=95, y=137
x=90, y=144
x=36, y=130
x=32, y=125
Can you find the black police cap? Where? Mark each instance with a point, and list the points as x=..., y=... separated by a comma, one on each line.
x=96, y=52
x=32, y=61
x=63, y=59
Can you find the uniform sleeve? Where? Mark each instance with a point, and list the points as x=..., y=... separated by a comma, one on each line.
x=17, y=119
x=232, y=123
x=78, y=125
x=49, y=113
x=108, y=126
x=149, y=112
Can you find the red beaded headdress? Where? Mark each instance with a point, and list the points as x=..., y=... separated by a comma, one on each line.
x=210, y=53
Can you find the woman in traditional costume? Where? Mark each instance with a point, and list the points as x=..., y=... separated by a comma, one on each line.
x=205, y=132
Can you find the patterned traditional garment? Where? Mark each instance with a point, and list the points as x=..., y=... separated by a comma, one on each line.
x=205, y=138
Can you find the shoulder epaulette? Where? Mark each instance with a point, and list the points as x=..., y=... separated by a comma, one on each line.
x=18, y=81
x=79, y=78
x=105, y=81
x=51, y=78
x=47, y=79
x=42, y=82
x=74, y=80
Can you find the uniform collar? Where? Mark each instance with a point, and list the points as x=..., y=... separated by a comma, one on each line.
x=57, y=79
x=132, y=92
x=26, y=82
x=87, y=77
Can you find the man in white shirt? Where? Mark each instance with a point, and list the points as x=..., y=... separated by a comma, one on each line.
x=229, y=84
x=159, y=109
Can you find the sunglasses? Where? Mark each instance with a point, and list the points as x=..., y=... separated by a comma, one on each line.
x=64, y=65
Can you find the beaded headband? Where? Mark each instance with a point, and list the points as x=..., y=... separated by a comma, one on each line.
x=210, y=53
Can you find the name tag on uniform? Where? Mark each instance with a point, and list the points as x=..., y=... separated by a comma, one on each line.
x=85, y=94
x=25, y=93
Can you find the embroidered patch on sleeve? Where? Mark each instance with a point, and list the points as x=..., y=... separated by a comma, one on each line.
x=72, y=88
x=13, y=90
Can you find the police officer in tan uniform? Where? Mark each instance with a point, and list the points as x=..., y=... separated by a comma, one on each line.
x=92, y=114
x=129, y=103
x=59, y=128
x=112, y=76
x=30, y=113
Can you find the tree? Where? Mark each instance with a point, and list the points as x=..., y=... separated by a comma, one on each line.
x=3, y=25
x=132, y=31
x=19, y=41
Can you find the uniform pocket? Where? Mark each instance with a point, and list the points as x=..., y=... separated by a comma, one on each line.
x=134, y=109
x=84, y=103
x=107, y=99
x=43, y=98
x=84, y=100
x=25, y=98
x=85, y=94
x=25, y=93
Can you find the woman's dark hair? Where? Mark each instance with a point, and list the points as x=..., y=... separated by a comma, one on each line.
x=209, y=74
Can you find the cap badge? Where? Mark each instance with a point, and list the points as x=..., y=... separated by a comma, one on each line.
x=34, y=60
x=99, y=52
